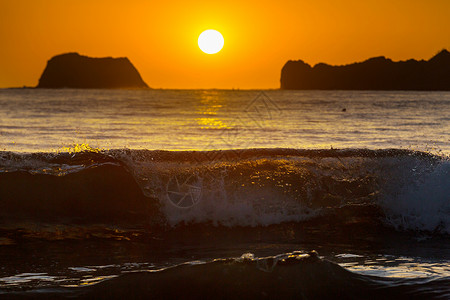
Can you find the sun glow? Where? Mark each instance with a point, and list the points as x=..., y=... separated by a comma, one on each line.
x=210, y=41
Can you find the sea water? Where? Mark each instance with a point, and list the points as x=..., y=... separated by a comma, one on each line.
x=224, y=194
x=34, y=120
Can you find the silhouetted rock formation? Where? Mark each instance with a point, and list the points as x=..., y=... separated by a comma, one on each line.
x=72, y=70
x=378, y=73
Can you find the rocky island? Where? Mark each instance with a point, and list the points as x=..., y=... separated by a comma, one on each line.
x=72, y=70
x=377, y=73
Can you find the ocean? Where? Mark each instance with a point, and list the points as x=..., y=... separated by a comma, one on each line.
x=224, y=194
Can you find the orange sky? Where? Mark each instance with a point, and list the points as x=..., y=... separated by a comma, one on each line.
x=160, y=37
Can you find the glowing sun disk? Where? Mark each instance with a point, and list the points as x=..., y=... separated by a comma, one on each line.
x=210, y=41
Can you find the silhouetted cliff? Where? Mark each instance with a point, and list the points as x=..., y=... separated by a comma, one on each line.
x=72, y=70
x=378, y=73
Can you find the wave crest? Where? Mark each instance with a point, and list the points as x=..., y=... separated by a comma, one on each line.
x=254, y=187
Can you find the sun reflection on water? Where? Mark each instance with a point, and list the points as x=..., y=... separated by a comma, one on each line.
x=210, y=104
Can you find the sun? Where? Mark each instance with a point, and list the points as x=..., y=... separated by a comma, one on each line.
x=210, y=41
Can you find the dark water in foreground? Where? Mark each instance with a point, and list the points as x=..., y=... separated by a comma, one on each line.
x=225, y=224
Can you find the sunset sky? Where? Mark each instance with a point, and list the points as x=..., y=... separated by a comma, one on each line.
x=160, y=37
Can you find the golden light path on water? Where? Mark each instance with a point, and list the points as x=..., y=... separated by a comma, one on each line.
x=210, y=104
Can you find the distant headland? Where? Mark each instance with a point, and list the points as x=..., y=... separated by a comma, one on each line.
x=72, y=70
x=378, y=73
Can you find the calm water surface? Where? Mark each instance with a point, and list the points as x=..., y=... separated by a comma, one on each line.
x=49, y=120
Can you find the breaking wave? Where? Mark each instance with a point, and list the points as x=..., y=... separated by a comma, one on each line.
x=146, y=191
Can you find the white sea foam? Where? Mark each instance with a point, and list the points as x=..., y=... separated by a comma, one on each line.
x=422, y=204
x=252, y=207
